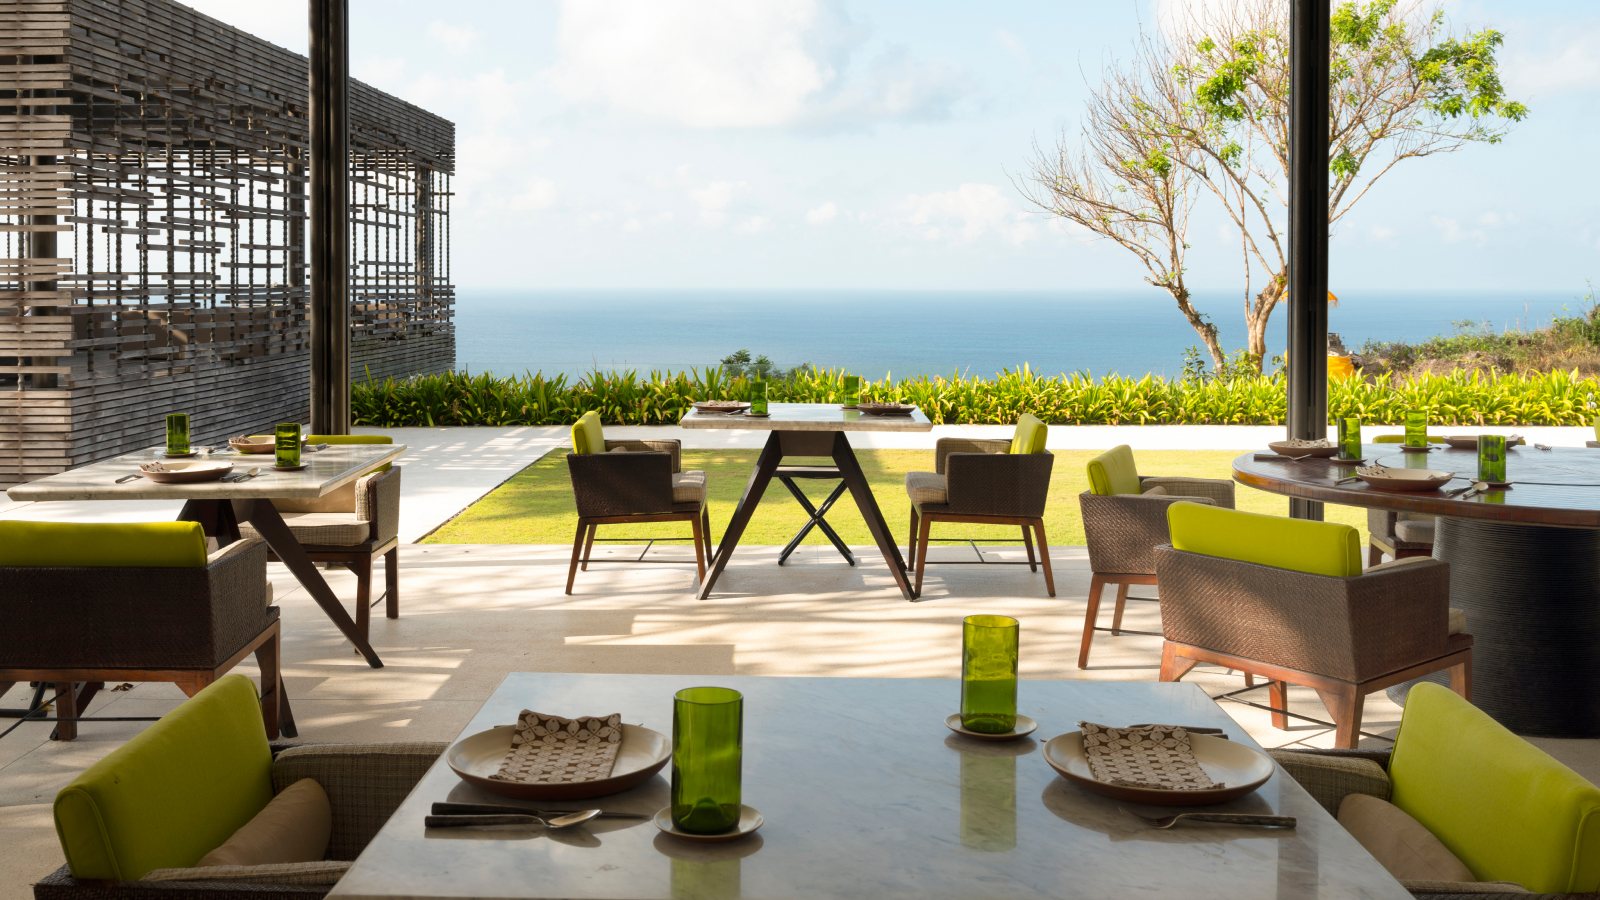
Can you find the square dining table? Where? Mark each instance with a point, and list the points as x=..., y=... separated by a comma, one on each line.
x=809, y=429
x=219, y=506
x=866, y=795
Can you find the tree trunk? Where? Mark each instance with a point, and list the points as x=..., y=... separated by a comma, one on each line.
x=1201, y=326
x=1257, y=316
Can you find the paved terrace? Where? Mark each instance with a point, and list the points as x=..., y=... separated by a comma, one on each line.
x=470, y=614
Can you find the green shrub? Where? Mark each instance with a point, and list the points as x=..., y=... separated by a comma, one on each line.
x=1460, y=398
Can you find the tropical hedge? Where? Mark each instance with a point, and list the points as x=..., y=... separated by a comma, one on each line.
x=1459, y=398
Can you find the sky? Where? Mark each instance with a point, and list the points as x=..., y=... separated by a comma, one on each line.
x=872, y=144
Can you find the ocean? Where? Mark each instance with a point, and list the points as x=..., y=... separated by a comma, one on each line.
x=907, y=333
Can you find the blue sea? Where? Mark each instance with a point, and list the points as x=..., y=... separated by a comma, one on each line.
x=906, y=333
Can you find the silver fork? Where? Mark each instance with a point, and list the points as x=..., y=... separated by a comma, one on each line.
x=1223, y=818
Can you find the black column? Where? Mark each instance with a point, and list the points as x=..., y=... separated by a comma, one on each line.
x=330, y=206
x=1308, y=229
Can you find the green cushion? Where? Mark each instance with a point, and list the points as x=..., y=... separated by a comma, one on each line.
x=141, y=545
x=1504, y=807
x=354, y=439
x=587, y=437
x=1320, y=548
x=1029, y=436
x=174, y=792
x=1113, y=472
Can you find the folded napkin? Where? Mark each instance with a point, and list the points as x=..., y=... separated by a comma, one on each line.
x=1156, y=757
x=553, y=750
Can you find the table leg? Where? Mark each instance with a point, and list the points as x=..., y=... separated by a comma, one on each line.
x=845, y=458
x=1532, y=598
x=817, y=520
x=766, y=466
x=216, y=518
x=265, y=519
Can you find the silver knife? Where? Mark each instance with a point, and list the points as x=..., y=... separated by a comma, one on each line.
x=491, y=809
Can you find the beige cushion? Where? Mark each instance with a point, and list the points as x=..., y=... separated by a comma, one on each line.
x=689, y=487
x=1415, y=531
x=1398, y=842
x=233, y=549
x=1397, y=563
x=1458, y=620
x=319, y=529
x=324, y=871
x=293, y=828
x=926, y=488
x=1157, y=491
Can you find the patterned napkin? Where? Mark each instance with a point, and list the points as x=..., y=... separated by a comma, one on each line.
x=1156, y=757
x=553, y=750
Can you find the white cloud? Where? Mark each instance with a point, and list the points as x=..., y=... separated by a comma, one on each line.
x=714, y=199
x=753, y=225
x=968, y=213
x=264, y=20
x=1564, y=60
x=536, y=193
x=1453, y=232
x=455, y=38
x=1382, y=233
x=1012, y=43
x=631, y=225
x=822, y=214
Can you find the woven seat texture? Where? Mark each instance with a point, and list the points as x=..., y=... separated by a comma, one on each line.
x=327, y=529
x=1218, y=490
x=926, y=488
x=688, y=487
x=1122, y=530
x=1415, y=531
x=1329, y=779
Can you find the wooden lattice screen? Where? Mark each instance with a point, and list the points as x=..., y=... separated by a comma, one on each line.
x=152, y=231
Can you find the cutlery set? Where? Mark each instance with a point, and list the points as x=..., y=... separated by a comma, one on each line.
x=1221, y=818
x=458, y=815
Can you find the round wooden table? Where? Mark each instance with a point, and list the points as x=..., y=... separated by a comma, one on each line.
x=1524, y=564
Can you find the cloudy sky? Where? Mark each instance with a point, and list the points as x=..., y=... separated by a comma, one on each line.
x=871, y=144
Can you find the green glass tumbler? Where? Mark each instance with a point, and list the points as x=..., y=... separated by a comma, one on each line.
x=852, y=390
x=1492, y=458
x=1416, y=429
x=989, y=674
x=707, y=754
x=288, y=445
x=1350, y=438
x=177, y=434
x=758, y=398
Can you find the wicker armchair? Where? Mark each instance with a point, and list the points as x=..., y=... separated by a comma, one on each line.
x=623, y=482
x=1402, y=535
x=77, y=625
x=1344, y=635
x=985, y=482
x=1124, y=518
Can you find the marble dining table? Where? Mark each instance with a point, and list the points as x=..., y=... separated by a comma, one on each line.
x=866, y=794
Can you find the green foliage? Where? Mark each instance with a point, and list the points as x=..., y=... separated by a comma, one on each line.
x=1240, y=397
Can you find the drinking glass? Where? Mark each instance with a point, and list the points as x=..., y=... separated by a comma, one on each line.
x=177, y=434
x=1491, y=458
x=758, y=398
x=707, y=749
x=852, y=390
x=1416, y=429
x=989, y=674
x=288, y=444
x=1350, y=438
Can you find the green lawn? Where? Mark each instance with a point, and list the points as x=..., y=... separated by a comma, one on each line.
x=535, y=506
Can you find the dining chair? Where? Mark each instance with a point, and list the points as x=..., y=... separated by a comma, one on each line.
x=1124, y=518
x=992, y=482
x=88, y=603
x=1400, y=534
x=628, y=482
x=1287, y=600
x=141, y=823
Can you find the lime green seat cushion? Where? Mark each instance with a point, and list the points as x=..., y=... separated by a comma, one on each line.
x=1030, y=435
x=1113, y=472
x=1320, y=548
x=587, y=436
x=1503, y=806
x=173, y=793
x=142, y=545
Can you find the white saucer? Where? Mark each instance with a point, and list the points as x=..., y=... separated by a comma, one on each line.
x=1024, y=727
x=749, y=820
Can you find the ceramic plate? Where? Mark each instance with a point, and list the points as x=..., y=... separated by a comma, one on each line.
x=1290, y=448
x=887, y=409
x=185, y=472
x=721, y=407
x=475, y=758
x=1242, y=769
x=1470, y=441
x=1403, y=480
x=1024, y=727
x=749, y=820
x=258, y=443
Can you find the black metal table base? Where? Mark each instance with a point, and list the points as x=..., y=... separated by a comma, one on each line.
x=787, y=475
x=1532, y=598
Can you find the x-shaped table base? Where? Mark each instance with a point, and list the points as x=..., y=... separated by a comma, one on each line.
x=787, y=475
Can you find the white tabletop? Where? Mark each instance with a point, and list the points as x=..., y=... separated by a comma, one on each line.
x=325, y=470
x=866, y=794
x=808, y=417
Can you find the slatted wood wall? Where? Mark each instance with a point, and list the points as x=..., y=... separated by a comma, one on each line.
x=152, y=231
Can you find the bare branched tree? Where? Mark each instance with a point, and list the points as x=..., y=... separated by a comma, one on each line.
x=1203, y=105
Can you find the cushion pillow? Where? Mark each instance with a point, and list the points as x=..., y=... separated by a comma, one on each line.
x=293, y=828
x=1113, y=472
x=587, y=435
x=1157, y=491
x=1030, y=435
x=157, y=545
x=1398, y=842
x=1319, y=548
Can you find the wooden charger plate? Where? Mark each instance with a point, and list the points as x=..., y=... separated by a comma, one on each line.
x=1242, y=769
x=187, y=472
x=476, y=757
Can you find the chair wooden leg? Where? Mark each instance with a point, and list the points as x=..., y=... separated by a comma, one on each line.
x=1345, y=705
x=363, y=570
x=577, y=551
x=1249, y=679
x=588, y=547
x=1122, y=604
x=391, y=583
x=922, y=553
x=705, y=523
x=1173, y=666
x=1461, y=678
x=66, y=707
x=1027, y=542
x=1278, y=698
x=699, y=546
x=1097, y=586
x=911, y=551
x=268, y=657
x=1374, y=555
x=1044, y=557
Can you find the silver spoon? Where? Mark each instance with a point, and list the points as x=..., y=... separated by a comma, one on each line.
x=566, y=821
x=1224, y=818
